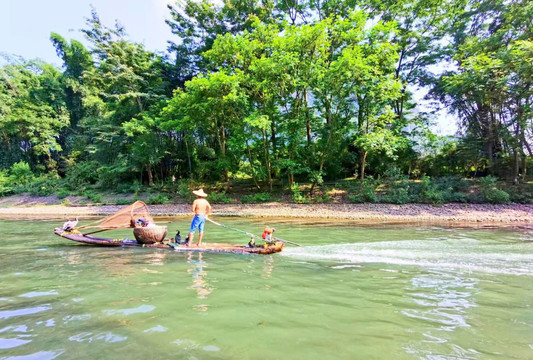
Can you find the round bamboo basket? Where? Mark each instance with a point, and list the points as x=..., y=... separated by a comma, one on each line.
x=150, y=235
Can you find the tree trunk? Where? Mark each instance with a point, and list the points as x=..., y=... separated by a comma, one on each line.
x=315, y=182
x=362, y=167
x=524, y=167
x=150, y=175
x=139, y=103
x=516, y=166
x=267, y=159
x=290, y=177
x=273, y=139
x=188, y=159
x=222, y=143
x=252, y=166
x=307, y=120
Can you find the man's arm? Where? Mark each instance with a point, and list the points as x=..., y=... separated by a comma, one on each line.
x=194, y=206
x=208, y=210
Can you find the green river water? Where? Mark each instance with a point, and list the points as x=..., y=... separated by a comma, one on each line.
x=350, y=293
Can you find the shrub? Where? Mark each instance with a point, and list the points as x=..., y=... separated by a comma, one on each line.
x=356, y=199
x=158, y=199
x=399, y=195
x=126, y=188
x=218, y=197
x=452, y=184
x=66, y=202
x=397, y=187
x=488, y=183
x=110, y=176
x=62, y=193
x=496, y=196
x=5, y=184
x=491, y=193
x=440, y=190
x=96, y=198
x=520, y=194
x=394, y=174
x=21, y=173
x=122, y=201
x=325, y=198
x=430, y=192
x=82, y=173
x=40, y=186
x=256, y=198
x=135, y=187
x=297, y=196
x=365, y=191
x=459, y=197
x=184, y=190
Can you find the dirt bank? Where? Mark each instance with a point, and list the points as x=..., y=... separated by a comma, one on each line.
x=474, y=214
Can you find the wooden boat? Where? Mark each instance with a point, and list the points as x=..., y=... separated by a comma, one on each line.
x=166, y=244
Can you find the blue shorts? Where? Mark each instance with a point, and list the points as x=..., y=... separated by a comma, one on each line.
x=198, y=222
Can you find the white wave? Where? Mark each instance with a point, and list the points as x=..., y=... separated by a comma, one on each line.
x=464, y=254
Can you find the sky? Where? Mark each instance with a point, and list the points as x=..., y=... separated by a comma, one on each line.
x=25, y=27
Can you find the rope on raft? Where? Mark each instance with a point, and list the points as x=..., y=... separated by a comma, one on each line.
x=250, y=234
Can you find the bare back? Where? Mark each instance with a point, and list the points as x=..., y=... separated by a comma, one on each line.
x=201, y=207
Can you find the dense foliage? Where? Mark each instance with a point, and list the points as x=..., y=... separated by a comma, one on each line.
x=280, y=93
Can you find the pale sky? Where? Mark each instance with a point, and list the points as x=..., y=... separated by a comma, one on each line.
x=25, y=27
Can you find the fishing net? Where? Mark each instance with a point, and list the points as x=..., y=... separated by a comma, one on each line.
x=124, y=218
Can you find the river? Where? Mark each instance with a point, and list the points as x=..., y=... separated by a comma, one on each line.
x=350, y=292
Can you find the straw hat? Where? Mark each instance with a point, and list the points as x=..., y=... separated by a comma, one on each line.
x=200, y=193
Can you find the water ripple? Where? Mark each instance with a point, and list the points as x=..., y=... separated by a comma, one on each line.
x=81, y=317
x=11, y=343
x=41, y=355
x=88, y=337
x=39, y=293
x=211, y=348
x=156, y=329
x=131, y=311
x=6, y=314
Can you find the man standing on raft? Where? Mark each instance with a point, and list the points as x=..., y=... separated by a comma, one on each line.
x=201, y=209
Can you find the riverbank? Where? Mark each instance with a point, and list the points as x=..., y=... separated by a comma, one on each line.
x=464, y=214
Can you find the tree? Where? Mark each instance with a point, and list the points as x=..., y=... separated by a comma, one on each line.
x=32, y=114
x=492, y=88
x=210, y=109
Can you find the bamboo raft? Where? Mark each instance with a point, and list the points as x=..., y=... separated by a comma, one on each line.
x=167, y=244
x=148, y=234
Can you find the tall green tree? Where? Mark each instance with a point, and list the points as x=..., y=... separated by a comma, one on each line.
x=32, y=114
x=124, y=83
x=492, y=88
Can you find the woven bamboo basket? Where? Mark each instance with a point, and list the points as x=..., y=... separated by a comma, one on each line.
x=150, y=235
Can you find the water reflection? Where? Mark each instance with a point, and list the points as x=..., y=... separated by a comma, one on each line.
x=117, y=266
x=268, y=267
x=157, y=258
x=74, y=257
x=441, y=304
x=199, y=281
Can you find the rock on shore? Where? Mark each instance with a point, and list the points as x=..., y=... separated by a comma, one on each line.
x=361, y=213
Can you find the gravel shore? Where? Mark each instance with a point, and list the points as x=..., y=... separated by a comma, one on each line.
x=461, y=214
